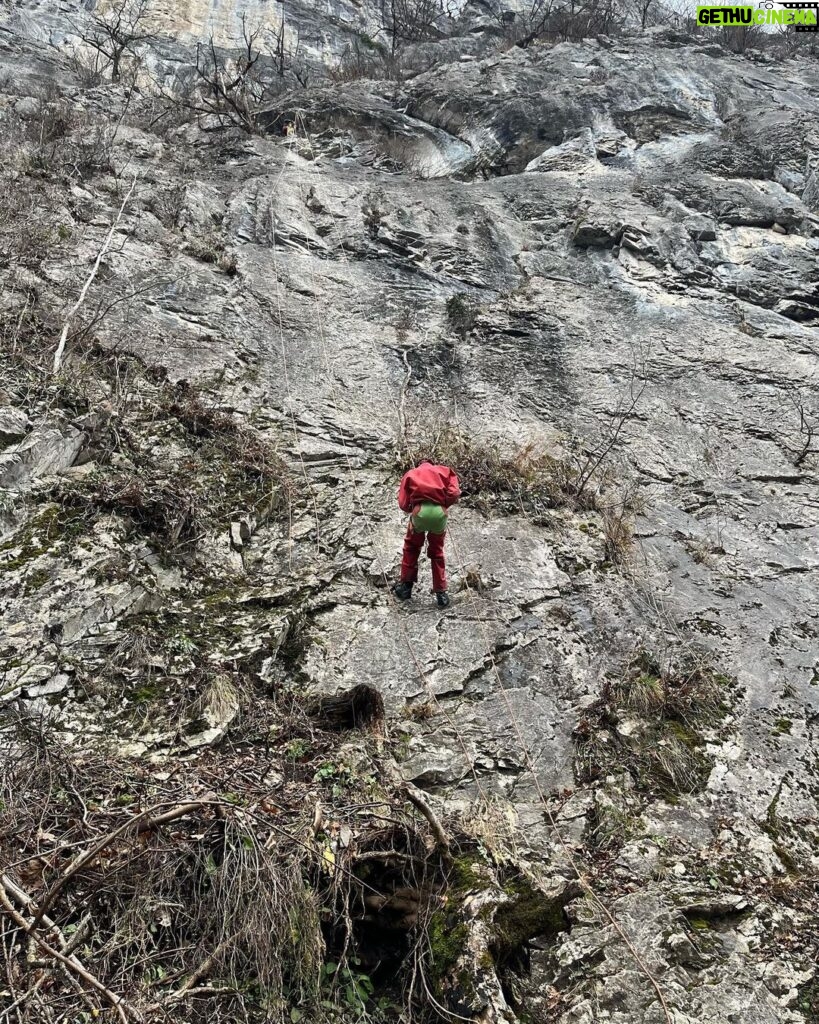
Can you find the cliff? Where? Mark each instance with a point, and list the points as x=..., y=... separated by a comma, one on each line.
x=584, y=273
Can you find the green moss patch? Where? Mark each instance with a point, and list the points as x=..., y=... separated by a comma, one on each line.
x=447, y=940
x=49, y=530
x=668, y=712
x=529, y=913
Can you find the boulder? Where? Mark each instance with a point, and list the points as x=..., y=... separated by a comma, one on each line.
x=573, y=154
x=47, y=450
x=14, y=425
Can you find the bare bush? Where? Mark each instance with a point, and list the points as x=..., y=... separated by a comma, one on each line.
x=288, y=60
x=61, y=139
x=562, y=19
x=197, y=908
x=230, y=88
x=788, y=43
x=527, y=478
x=738, y=38
x=462, y=313
x=578, y=19
x=177, y=893
x=115, y=31
x=803, y=440
x=618, y=522
x=168, y=203
x=26, y=237
x=175, y=492
x=230, y=91
x=89, y=75
x=408, y=21
x=580, y=476
x=362, y=58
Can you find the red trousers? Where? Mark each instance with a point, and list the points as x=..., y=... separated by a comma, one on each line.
x=413, y=542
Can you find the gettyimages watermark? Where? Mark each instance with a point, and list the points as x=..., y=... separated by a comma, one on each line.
x=803, y=16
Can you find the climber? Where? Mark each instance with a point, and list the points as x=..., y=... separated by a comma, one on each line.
x=426, y=493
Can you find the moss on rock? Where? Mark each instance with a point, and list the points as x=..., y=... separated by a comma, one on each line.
x=652, y=722
x=530, y=912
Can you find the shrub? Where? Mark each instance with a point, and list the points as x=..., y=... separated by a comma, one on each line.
x=362, y=59
x=190, y=472
x=63, y=140
x=527, y=478
x=26, y=237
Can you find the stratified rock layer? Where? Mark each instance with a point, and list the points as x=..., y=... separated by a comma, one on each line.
x=634, y=228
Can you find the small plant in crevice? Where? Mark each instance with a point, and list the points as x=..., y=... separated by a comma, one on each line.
x=211, y=249
x=462, y=313
x=420, y=712
x=608, y=828
x=297, y=749
x=372, y=211
x=406, y=321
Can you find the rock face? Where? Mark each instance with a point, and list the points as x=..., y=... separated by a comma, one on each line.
x=607, y=248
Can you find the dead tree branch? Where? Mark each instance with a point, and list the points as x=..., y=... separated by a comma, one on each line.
x=808, y=429
x=143, y=822
x=415, y=798
x=117, y=31
x=58, y=355
x=231, y=90
x=71, y=963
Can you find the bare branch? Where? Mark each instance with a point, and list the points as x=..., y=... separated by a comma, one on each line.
x=417, y=800
x=117, y=31
x=69, y=962
x=808, y=429
x=58, y=355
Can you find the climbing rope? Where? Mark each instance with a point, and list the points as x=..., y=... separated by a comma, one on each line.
x=527, y=758
x=357, y=494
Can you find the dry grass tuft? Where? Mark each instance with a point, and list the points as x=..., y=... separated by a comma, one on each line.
x=667, y=712
x=421, y=712
x=526, y=479
x=644, y=693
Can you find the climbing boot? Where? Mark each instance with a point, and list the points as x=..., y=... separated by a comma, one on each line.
x=402, y=590
x=442, y=597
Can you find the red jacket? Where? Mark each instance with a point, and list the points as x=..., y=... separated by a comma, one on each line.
x=428, y=483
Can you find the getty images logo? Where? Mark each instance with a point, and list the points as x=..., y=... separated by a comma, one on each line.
x=803, y=16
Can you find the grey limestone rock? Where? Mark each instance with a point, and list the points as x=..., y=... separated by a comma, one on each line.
x=613, y=219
